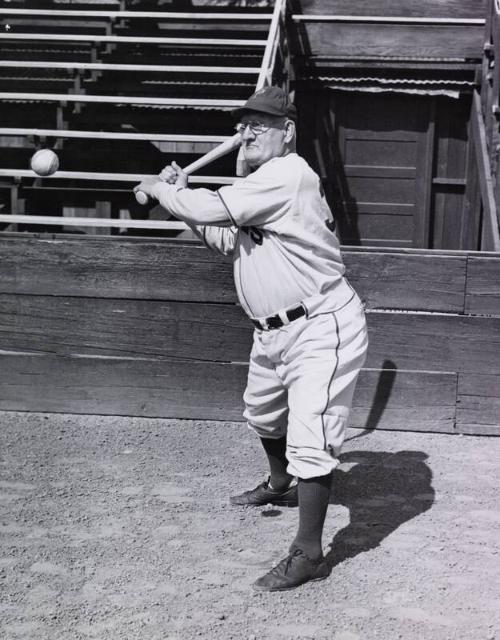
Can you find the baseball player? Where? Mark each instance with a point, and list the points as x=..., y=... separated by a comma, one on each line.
x=310, y=336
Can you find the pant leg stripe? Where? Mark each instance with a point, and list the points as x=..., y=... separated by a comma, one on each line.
x=337, y=331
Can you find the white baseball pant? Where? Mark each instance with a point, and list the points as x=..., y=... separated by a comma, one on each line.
x=301, y=382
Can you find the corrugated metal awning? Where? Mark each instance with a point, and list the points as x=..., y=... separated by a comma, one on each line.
x=451, y=87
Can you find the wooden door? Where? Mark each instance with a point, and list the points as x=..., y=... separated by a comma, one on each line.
x=383, y=172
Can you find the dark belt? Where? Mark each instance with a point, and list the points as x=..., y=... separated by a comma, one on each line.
x=275, y=322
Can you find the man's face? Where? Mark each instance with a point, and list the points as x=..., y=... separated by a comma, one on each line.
x=258, y=148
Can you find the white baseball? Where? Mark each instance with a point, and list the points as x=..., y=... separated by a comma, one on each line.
x=44, y=162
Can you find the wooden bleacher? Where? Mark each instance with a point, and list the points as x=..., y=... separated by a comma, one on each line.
x=114, y=91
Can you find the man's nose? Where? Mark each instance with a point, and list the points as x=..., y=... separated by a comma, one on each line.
x=248, y=134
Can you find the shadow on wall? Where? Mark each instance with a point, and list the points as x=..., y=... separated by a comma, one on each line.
x=381, y=397
x=382, y=491
x=383, y=391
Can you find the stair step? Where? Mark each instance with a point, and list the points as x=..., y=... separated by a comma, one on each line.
x=26, y=51
x=139, y=118
x=41, y=29
x=189, y=90
x=122, y=117
x=191, y=57
x=200, y=63
x=82, y=53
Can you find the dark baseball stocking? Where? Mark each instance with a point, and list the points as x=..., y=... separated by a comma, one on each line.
x=314, y=495
x=275, y=449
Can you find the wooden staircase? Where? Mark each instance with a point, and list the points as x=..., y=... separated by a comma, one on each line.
x=118, y=94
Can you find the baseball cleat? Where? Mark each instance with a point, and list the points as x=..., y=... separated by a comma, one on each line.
x=264, y=494
x=292, y=571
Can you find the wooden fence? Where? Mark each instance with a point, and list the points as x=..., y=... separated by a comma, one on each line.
x=148, y=327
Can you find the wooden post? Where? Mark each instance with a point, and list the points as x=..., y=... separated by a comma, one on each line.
x=490, y=240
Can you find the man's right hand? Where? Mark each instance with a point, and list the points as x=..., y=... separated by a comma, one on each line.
x=173, y=174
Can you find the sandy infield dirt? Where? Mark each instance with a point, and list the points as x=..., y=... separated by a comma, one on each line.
x=120, y=529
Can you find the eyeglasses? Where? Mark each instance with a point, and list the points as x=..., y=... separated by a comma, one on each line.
x=255, y=127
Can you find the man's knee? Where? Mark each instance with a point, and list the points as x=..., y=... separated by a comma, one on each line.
x=266, y=430
x=306, y=463
x=315, y=442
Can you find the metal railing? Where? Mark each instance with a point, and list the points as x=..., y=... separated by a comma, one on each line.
x=113, y=15
x=276, y=51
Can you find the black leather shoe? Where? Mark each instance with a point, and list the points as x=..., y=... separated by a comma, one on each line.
x=263, y=494
x=292, y=571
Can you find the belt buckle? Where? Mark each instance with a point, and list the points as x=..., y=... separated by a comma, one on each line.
x=274, y=322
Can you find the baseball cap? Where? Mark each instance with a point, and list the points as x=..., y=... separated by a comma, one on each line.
x=272, y=100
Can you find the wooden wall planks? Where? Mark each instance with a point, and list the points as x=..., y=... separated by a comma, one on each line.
x=374, y=40
x=409, y=400
x=221, y=333
x=482, y=294
x=467, y=344
x=478, y=405
x=408, y=281
x=124, y=328
x=152, y=270
x=148, y=327
x=110, y=386
x=418, y=401
x=114, y=268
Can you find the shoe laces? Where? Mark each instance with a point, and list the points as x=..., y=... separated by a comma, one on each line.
x=285, y=564
x=259, y=486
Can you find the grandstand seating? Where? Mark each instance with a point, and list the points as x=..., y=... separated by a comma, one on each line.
x=118, y=90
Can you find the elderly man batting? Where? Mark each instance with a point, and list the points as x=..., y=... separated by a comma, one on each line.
x=310, y=337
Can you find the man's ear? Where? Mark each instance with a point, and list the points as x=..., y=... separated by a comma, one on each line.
x=289, y=131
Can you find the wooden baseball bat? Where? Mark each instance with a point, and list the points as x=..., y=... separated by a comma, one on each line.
x=218, y=151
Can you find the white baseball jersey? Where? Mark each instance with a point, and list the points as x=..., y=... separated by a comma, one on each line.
x=280, y=230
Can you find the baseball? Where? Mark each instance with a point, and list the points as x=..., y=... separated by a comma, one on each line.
x=44, y=162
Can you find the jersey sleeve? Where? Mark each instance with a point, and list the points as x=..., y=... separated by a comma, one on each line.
x=194, y=206
x=264, y=196
x=221, y=239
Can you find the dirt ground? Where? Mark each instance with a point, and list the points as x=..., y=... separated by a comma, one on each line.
x=120, y=529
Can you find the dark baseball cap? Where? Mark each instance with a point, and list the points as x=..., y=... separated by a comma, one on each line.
x=272, y=100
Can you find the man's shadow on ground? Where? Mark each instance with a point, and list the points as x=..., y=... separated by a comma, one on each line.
x=382, y=490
